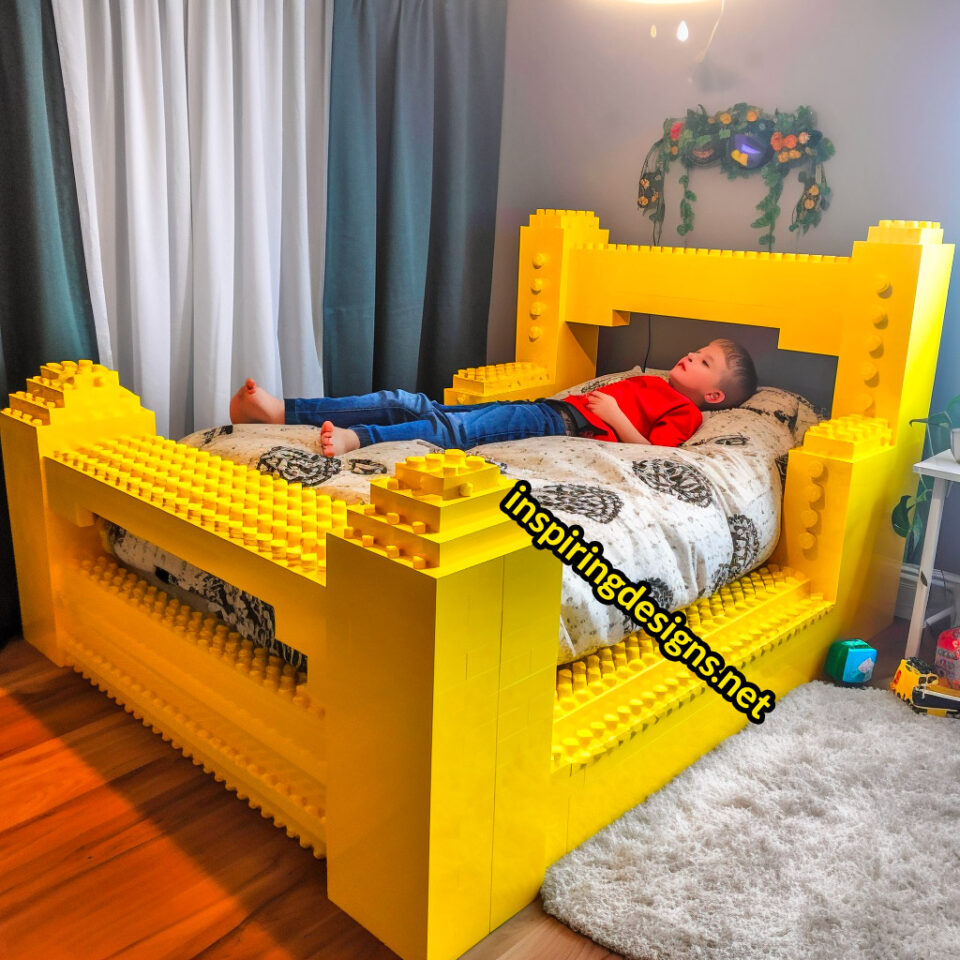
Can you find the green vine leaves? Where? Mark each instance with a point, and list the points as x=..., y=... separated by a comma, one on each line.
x=743, y=140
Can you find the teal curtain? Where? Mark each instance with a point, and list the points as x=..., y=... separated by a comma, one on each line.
x=416, y=101
x=44, y=300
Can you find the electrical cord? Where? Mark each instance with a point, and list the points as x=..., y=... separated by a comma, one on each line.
x=643, y=366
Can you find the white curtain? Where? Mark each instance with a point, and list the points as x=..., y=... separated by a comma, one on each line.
x=199, y=138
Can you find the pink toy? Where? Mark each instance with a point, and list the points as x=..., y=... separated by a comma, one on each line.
x=947, y=658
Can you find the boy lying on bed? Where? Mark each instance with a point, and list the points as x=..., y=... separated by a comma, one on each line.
x=645, y=409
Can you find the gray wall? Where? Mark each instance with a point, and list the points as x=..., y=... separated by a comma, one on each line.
x=586, y=93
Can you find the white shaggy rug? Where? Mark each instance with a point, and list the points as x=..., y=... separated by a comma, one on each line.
x=831, y=831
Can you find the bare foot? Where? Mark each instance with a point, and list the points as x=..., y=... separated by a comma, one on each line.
x=252, y=404
x=335, y=441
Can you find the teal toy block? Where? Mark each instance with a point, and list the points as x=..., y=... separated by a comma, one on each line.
x=850, y=661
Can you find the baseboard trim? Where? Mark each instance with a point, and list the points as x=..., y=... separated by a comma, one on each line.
x=943, y=605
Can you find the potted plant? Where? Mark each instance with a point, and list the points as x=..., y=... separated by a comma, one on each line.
x=909, y=517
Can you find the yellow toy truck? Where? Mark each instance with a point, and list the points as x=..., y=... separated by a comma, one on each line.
x=917, y=683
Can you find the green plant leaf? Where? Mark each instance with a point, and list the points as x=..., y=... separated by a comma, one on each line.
x=900, y=518
x=953, y=411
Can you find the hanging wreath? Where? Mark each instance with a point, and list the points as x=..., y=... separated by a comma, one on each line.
x=743, y=140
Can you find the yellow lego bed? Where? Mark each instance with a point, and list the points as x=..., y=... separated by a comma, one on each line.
x=440, y=760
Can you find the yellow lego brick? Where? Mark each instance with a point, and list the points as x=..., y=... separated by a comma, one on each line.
x=446, y=475
x=400, y=792
x=586, y=797
x=905, y=231
x=567, y=219
x=70, y=392
x=266, y=515
x=545, y=336
x=531, y=592
x=261, y=682
x=248, y=774
x=484, y=383
x=439, y=512
x=245, y=715
x=177, y=506
x=611, y=695
x=848, y=438
x=434, y=512
x=470, y=667
x=52, y=414
x=607, y=282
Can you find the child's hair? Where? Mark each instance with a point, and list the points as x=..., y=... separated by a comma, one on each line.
x=741, y=382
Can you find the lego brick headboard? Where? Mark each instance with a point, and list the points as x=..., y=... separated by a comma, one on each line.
x=879, y=310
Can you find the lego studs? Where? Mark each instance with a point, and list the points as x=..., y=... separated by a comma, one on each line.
x=882, y=285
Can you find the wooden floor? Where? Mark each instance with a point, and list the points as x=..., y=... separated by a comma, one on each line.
x=113, y=845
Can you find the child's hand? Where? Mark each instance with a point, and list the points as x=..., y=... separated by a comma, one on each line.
x=604, y=406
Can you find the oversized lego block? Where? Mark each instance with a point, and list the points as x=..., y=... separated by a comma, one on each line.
x=550, y=332
x=438, y=511
x=244, y=716
x=610, y=696
x=501, y=381
x=439, y=745
x=222, y=517
x=588, y=795
x=68, y=405
x=835, y=482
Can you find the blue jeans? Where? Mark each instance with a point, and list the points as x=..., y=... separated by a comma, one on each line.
x=398, y=415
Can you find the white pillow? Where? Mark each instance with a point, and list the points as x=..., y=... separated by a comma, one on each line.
x=792, y=410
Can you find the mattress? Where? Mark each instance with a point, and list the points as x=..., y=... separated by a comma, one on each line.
x=687, y=520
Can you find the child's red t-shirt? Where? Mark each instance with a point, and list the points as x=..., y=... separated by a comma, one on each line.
x=663, y=415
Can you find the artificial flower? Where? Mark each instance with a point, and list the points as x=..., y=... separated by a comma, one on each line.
x=809, y=203
x=813, y=189
x=751, y=115
x=725, y=118
x=644, y=183
x=795, y=154
x=673, y=150
x=783, y=156
x=675, y=130
x=642, y=201
x=803, y=137
x=776, y=141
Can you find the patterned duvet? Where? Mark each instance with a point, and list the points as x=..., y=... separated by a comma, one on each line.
x=687, y=520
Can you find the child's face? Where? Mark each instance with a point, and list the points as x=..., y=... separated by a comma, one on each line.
x=698, y=375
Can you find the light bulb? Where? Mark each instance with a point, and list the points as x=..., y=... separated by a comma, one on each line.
x=682, y=31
